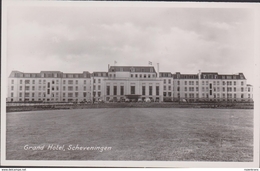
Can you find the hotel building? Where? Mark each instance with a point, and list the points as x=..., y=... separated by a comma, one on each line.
x=132, y=82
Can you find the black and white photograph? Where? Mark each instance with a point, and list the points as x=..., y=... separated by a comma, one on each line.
x=130, y=84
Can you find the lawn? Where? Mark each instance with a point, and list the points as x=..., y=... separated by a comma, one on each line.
x=136, y=134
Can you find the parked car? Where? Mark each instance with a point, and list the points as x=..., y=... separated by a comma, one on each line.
x=100, y=101
x=133, y=100
x=111, y=100
x=147, y=100
x=140, y=100
x=127, y=100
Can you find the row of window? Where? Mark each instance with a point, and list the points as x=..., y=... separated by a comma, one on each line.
x=70, y=88
x=143, y=75
x=204, y=82
x=53, y=81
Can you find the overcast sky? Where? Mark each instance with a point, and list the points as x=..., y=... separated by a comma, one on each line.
x=77, y=39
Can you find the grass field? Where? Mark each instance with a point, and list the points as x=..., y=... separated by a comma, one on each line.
x=168, y=134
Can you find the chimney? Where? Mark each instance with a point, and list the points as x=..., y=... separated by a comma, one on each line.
x=108, y=67
x=158, y=70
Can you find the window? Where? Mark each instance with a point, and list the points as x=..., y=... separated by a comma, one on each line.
x=27, y=87
x=99, y=87
x=149, y=76
x=164, y=81
x=98, y=80
x=207, y=82
x=12, y=94
x=143, y=90
x=48, y=85
x=64, y=88
x=64, y=81
x=121, y=90
x=77, y=89
x=26, y=94
x=223, y=88
x=21, y=81
x=85, y=88
x=140, y=75
x=99, y=94
x=44, y=81
x=70, y=81
x=33, y=88
x=248, y=89
x=235, y=89
x=217, y=82
x=164, y=94
x=202, y=82
x=157, y=90
x=108, y=90
x=20, y=94
x=210, y=86
x=185, y=82
x=12, y=81
x=242, y=89
x=132, y=89
x=21, y=88
x=64, y=94
x=185, y=88
x=12, y=87
x=115, y=90
x=57, y=88
x=53, y=82
x=76, y=94
x=150, y=90
x=169, y=81
x=48, y=91
x=94, y=87
x=242, y=83
x=197, y=83
x=27, y=82
x=178, y=82
x=235, y=83
x=242, y=96
x=164, y=87
x=70, y=88
x=197, y=88
x=131, y=75
x=32, y=94
x=203, y=88
x=70, y=94
x=85, y=81
x=169, y=94
x=77, y=81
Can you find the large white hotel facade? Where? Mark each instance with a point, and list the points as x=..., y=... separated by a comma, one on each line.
x=121, y=82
